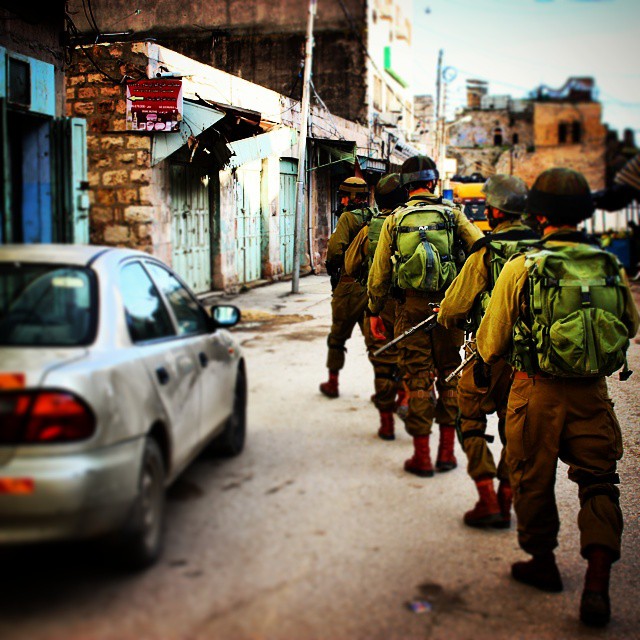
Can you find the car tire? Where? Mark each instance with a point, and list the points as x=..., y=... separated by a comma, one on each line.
x=140, y=543
x=230, y=442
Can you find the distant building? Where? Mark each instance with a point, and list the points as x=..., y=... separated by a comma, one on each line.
x=523, y=137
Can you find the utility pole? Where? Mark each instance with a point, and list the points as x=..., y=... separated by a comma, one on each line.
x=438, y=110
x=302, y=151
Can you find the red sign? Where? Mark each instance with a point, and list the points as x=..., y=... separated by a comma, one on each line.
x=154, y=105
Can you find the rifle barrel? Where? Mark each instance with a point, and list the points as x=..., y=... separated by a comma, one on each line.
x=406, y=334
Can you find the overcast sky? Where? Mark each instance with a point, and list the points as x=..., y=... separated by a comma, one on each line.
x=519, y=44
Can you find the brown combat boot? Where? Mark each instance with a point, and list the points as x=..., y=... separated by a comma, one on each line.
x=386, y=431
x=540, y=572
x=330, y=387
x=420, y=463
x=595, y=607
x=505, y=499
x=487, y=510
x=446, y=460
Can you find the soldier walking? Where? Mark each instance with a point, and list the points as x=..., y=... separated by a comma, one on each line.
x=389, y=194
x=416, y=260
x=349, y=297
x=563, y=317
x=482, y=389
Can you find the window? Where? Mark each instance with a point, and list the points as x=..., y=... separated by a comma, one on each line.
x=497, y=137
x=563, y=133
x=576, y=132
x=190, y=315
x=46, y=305
x=147, y=317
x=515, y=138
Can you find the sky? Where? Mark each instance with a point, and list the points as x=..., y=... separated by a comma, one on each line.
x=519, y=44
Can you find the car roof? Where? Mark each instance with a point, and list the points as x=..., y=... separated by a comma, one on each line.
x=75, y=254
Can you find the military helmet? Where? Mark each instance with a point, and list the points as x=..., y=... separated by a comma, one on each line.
x=506, y=193
x=389, y=191
x=353, y=186
x=562, y=195
x=418, y=169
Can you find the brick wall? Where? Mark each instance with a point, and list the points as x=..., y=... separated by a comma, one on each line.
x=129, y=204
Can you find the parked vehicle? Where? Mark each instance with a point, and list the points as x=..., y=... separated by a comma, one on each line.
x=112, y=379
x=470, y=196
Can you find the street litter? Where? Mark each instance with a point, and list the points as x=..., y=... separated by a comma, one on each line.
x=419, y=606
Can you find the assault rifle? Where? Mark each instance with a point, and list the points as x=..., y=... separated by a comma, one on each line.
x=427, y=325
x=471, y=355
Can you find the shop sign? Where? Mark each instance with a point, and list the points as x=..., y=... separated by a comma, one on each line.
x=154, y=105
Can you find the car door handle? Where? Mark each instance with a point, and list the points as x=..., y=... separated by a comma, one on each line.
x=204, y=361
x=163, y=375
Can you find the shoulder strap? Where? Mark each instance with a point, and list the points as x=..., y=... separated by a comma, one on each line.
x=510, y=236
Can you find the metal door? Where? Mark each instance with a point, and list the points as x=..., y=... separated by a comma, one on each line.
x=248, y=222
x=191, y=238
x=288, y=177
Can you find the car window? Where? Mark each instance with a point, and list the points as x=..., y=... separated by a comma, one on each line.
x=189, y=314
x=147, y=317
x=46, y=305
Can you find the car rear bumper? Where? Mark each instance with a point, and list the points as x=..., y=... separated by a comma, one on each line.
x=74, y=496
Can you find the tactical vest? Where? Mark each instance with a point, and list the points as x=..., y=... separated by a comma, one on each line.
x=576, y=298
x=501, y=247
x=424, y=258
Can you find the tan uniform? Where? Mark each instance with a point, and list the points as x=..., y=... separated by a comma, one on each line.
x=476, y=403
x=550, y=418
x=385, y=365
x=424, y=358
x=349, y=298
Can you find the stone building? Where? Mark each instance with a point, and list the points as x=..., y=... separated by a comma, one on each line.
x=523, y=137
x=361, y=59
x=216, y=199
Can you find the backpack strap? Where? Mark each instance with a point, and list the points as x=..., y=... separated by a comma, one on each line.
x=513, y=236
x=427, y=246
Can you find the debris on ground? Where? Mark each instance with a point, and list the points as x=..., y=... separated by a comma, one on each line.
x=419, y=606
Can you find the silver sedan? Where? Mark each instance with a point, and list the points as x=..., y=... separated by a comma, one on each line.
x=112, y=379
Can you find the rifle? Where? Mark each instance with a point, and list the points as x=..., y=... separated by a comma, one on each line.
x=472, y=354
x=428, y=324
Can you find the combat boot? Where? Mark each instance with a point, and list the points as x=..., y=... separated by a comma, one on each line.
x=505, y=499
x=402, y=403
x=446, y=460
x=540, y=572
x=386, y=431
x=487, y=510
x=595, y=607
x=330, y=387
x=420, y=463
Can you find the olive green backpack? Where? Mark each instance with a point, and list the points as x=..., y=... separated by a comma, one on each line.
x=501, y=247
x=375, y=227
x=424, y=238
x=576, y=300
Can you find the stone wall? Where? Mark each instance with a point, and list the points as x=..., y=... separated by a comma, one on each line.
x=129, y=204
x=479, y=132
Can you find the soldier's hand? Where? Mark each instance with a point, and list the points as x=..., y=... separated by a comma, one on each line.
x=376, y=324
x=481, y=373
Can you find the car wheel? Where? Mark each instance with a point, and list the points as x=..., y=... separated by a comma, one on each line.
x=230, y=442
x=141, y=541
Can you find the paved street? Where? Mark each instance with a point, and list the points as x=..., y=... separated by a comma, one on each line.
x=315, y=531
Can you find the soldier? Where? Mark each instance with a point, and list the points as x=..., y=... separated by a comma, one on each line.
x=416, y=257
x=481, y=392
x=563, y=315
x=389, y=194
x=349, y=297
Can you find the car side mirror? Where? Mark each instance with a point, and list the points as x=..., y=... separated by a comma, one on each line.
x=225, y=315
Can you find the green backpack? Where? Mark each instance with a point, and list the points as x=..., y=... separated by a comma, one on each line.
x=424, y=238
x=576, y=300
x=375, y=227
x=501, y=247
x=363, y=215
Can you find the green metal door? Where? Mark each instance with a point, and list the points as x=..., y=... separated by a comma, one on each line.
x=191, y=236
x=248, y=222
x=288, y=177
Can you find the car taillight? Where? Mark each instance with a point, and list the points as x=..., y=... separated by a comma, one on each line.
x=44, y=417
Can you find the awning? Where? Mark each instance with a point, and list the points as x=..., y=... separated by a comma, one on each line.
x=196, y=119
x=374, y=165
x=338, y=150
x=277, y=142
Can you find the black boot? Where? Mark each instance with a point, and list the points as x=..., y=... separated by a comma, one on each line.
x=540, y=572
x=595, y=607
